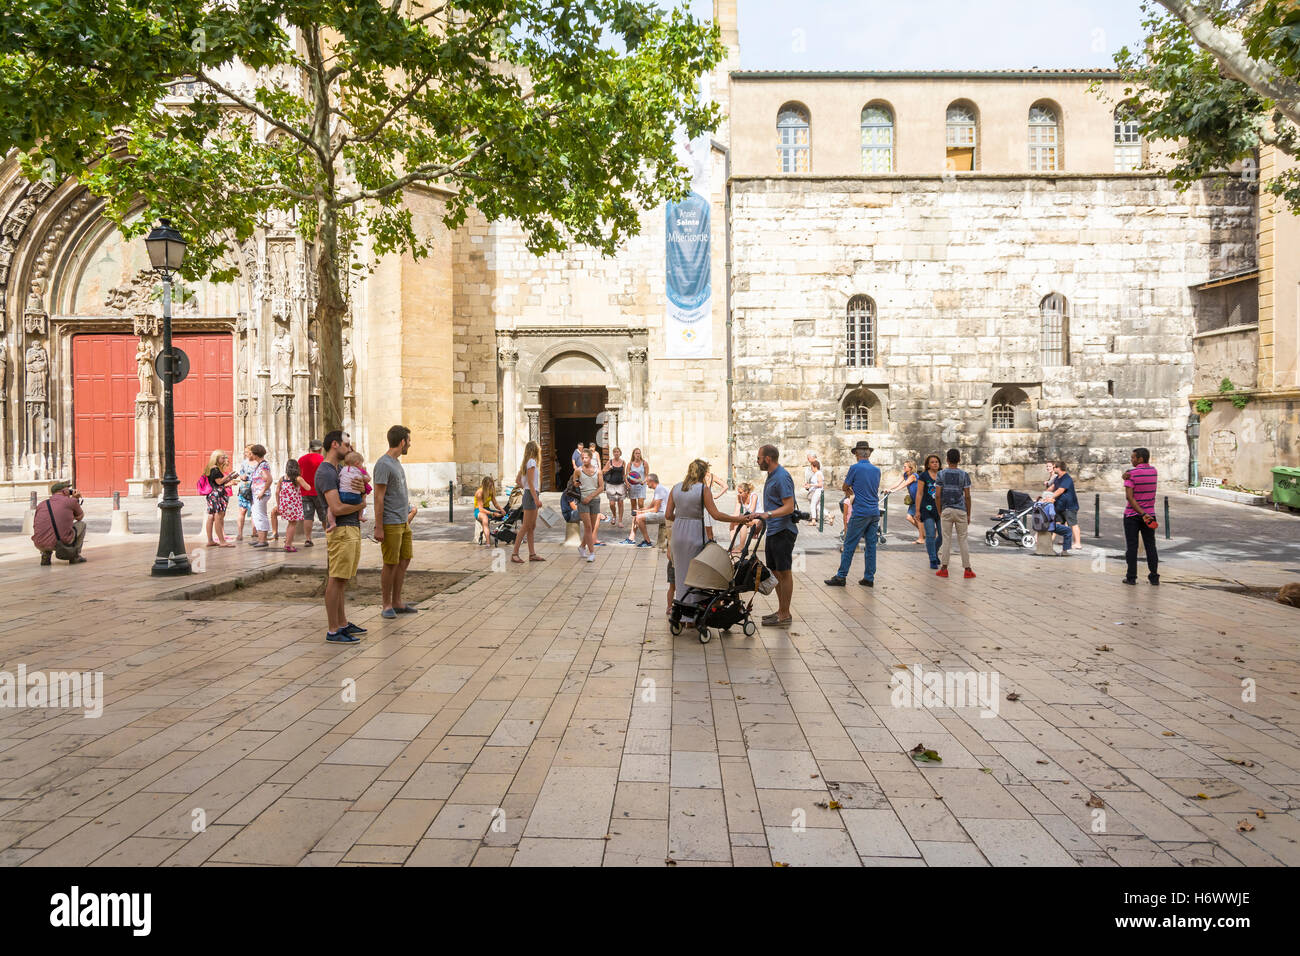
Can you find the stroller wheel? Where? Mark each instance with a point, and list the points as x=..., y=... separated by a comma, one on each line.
x=750, y=629
x=705, y=636
x=990, y=539
x=1029, y=540
x=675, y=627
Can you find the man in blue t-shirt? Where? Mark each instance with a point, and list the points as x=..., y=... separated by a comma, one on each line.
x=778, y=505
x=863, y=482
x=1063, y=495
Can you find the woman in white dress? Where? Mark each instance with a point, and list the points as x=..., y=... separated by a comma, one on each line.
x=529, y=478
x=687, y=504
x=816, y=488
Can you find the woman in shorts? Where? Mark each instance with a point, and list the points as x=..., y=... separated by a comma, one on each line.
x=615, y=485
x=637, y=469
x=590, y=485
x=217, y=499
x=911, y=482
x=529, y=479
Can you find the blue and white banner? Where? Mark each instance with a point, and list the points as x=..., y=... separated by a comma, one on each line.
x=689, y=325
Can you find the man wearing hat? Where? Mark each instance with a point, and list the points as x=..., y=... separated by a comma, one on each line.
x=863, y=482
x=59, y=527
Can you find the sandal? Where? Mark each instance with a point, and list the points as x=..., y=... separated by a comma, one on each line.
x=515, y=559
x=535, y=557
x=290, y=548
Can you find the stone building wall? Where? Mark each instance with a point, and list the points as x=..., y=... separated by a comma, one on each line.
x=957, y=268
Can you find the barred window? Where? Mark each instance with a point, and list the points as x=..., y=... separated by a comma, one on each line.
x=877, y=140
x=961, y=135
x=1044, y=139
x=1128, y=141
x=857, y=418
x=1004, y=416
x=1055, y=342
x=793, y=128
x=860, y=333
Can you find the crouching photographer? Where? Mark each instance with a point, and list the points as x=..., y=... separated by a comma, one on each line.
x=59, y=527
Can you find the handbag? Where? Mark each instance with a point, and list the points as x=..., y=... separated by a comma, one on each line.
x=204, y=485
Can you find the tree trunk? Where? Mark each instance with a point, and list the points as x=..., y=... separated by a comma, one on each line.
x=331, y=309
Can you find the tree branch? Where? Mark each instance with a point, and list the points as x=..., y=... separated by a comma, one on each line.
x=420, y=174
x=257, y=110
x=387, y=117
x=1228, y=48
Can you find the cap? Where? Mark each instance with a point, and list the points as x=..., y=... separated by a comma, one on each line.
x=59, y=486
x=315, y=445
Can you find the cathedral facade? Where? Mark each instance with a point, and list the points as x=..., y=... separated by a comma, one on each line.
x=987, y=260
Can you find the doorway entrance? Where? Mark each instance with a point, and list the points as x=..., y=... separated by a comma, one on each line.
x=569, y=416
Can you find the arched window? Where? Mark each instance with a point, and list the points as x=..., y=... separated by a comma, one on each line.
x=961, y=136
x=1055, y=341
x=1044, y=139
x=1011, y=410
x=857, y=418
x=860, y=333
x=793, y=128
x=1128, y=141
x=877, y=139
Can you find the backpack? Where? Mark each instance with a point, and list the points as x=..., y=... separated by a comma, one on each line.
x=204, y=485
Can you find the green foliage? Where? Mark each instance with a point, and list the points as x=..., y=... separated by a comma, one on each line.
x=1239, y=399
x=1226, y=387
x=1204, y=406
x=560, y=114
x=1177, y=92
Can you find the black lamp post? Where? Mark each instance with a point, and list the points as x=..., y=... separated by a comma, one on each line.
x=166, y=251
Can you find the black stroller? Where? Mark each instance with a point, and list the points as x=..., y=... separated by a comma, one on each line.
x=1009, y=523
x=503, y=529
x=717, y=585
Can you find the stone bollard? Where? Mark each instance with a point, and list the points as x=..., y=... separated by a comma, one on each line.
x=1046, y=544
x=121, y=522
x=572, y=534
x=29, y=522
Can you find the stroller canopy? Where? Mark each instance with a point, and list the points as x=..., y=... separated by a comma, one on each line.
x=711, y=570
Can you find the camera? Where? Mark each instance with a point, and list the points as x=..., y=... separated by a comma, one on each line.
x=798, y=516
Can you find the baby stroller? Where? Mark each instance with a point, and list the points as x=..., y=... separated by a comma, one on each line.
x=1009, y=523
x=718, y=586
x=503, y=529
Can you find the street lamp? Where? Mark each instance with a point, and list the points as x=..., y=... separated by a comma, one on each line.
x=1193, y=433
x=166, y=251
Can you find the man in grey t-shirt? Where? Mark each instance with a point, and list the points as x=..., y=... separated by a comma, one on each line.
x=394, y=514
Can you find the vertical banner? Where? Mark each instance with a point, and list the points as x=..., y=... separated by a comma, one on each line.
x=689, y=325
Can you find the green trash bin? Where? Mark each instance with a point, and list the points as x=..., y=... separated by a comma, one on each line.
x=1286, y=487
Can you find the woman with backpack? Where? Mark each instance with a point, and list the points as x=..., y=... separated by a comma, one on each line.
x=214, y=487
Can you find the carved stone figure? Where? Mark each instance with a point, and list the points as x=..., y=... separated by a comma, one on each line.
x=38, y=368
x=144, y=368
x=349, y=366
x=282, y=359
x=133, y=298
x=4, y=367
x=313, y=361
x=16, y=221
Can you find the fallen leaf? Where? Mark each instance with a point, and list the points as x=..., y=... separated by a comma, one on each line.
x=814, y=776
x=1202, y=796
x=1244, y=826
x=985, y=770
x=920, y=753
x=723, y=682
x=670, y=861
x=738, y=697
x=1105, y=647
x=834, y=805
x=1040, y=761
x=779, y=863
x=1241, y=763
x=1261, y=814
x=1095, y=801
x=1239, y=660
x=607, y=837
x=823, y=804
x=1013, y=696
x=1167, y=733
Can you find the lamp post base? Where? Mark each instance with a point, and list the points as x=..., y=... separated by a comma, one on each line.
x=171, y=565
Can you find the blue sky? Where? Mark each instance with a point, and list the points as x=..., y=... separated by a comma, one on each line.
x=930, y=34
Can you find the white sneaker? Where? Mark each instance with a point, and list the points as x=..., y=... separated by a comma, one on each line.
x=591, y=556
x=582, y=550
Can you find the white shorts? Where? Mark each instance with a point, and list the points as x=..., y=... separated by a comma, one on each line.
x=615, y=492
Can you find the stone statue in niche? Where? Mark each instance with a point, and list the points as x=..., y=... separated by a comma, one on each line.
x=349, y=366
x=4, y=367
x=38, y=367
x=34, y=317
x=282, y=359
x=144, y=368
x=313, y=359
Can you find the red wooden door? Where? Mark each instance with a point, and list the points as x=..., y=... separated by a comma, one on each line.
x=205, y=405
x=104, y=385
x=103, y=409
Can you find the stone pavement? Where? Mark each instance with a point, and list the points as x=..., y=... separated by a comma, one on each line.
x=543, y=714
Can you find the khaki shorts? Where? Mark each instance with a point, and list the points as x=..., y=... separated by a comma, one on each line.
x=344, y=550
x=397, y=543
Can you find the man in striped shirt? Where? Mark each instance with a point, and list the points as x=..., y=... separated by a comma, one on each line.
x=1140, y=490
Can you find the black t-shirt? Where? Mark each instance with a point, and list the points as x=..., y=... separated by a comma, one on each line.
x=615, y=475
